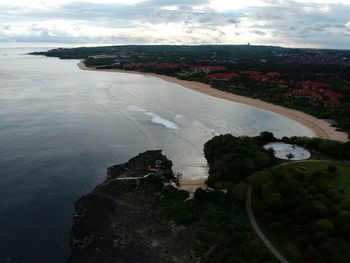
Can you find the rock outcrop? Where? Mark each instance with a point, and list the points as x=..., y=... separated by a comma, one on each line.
x=122, y=221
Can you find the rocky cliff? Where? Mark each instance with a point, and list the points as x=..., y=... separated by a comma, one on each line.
x=122, y=220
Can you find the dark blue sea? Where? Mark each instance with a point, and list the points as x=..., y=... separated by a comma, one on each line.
x=61, y=127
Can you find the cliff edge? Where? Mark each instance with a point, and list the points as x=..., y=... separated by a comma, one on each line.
x=121, y=220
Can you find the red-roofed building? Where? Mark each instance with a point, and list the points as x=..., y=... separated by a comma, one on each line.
x=256, y=75
x=172, y=65
x=207, y=69
x=327, y=98
x=314, y=85
x=305, y=94
x=222, y=76
x=269, y=78
x=139, y=65
x=331, y=99
x=273, y=75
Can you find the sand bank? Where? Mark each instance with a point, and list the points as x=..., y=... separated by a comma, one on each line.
x=191, y=185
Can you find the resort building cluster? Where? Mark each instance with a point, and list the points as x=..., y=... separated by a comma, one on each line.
x=305, y=92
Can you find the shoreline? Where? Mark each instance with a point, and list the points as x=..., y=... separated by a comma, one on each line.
x=191, y=185
x=320, y=128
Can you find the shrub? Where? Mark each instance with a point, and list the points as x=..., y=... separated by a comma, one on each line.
x=200, y=196
x=238, y=192
x=325, y=225
x=259, y=178
x=273, y=200
x=330, y=147
x=167, y=163
x=345, y=204
x=332, y=169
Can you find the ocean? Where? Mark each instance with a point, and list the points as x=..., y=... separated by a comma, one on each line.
x=61, y=127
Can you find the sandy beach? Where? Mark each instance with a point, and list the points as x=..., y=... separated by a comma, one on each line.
x=191, y=185
x=321, y=128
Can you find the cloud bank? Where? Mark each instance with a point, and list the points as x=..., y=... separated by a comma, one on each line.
x=307, y=23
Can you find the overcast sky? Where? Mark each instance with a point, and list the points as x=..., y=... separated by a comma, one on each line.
x=300, y=23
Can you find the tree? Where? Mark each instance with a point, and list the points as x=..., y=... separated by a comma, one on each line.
x=262, y=159
x=238, y=192
x=273, y=200
x=200, y=196
x=267, y=137
x=248, y=166
x=270, y=152
x=167, y=163
x=346, y=150
x=259, y=178
x=267, y=188
x=325, y=225
x=331, y=147
x=345, y=204
x=332, y=169
x=318, y=209
x=290, y=156
x=277, y=226
x=285, y=140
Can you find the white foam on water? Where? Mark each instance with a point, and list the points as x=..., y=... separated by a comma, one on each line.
x=164, y=122
x=214, y=132
x=179, y=117
x=136, y=108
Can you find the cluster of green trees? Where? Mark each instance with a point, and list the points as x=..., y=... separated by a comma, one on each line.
x=309, y=209
x=333, y=149
x=223, y=231
x=232, y=159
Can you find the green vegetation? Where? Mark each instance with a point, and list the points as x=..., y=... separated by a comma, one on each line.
x=223, y=231
x=305, y=209
x=332, y=149
x=167, y=164
x=232, y=159
x=118, y=187
x=267, y=73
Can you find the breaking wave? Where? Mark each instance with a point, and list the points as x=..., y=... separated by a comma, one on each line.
x=164, y=122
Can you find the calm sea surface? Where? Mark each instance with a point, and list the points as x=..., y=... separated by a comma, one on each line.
x=61, y=127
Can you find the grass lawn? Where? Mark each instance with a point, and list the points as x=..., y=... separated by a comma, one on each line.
x=341, y=176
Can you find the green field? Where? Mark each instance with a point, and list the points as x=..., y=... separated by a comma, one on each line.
x=340, y=179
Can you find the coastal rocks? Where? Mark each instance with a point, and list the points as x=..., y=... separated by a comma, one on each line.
x=121, y=220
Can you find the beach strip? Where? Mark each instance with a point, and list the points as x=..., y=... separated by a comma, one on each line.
x=321, y=128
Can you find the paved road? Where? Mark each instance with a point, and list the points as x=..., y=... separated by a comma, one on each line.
x=250, y=213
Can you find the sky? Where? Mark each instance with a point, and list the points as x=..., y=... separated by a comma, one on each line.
x=297, y=23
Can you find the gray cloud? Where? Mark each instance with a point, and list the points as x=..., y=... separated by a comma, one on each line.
x=308, y=24
x=281, y=23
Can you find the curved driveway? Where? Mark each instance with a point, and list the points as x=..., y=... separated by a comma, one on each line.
x=257, y=229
